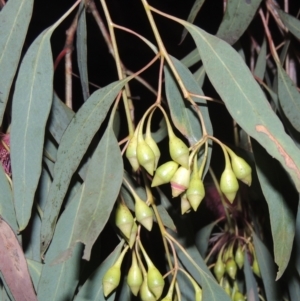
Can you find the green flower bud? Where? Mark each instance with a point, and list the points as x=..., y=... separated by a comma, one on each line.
x=150, y=141
x=145, y=293
x=226, y=286
x=255, y=267
x=180, y=181
x=198, y=293
x=164, y=173
x=111, y=280
x=239, y=256
x=238, y=296
x=145, y=156
x=167, y=298
x=155, y=281
x=219, y=269
x=124, y=219
x=131, y=153
x=179, y=152
x=195, y=192
x=241, y=169
x=185, y=204
x=134, y=277
x=229, y=184
x=231, y=268
x=132, y=237
x=144, y=214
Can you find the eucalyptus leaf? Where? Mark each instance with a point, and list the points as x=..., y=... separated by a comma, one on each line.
x=267, y=270
x=92, y=289
x=261, y=62
x=191, y=58
x=237, y=17
x=289, y=97
x=73, y=146
x=30, y=110
x=281, y=216
x=294, y=287
x=35, y=270
x=202, y=238
x=292, y=23
x=297, y=241
x=245, y=100
x=14, y=20
x=81, y=47
x=251, y=284
x=200, y=76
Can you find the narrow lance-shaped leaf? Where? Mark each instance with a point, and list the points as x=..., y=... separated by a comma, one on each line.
x=102, y=185
x=13, y=265
x=245, y=100
x=81, y=47
x=292, y=23
x=260, y=66
x=289, y=97
x=92, y=289
x=281, y=216
x=30, y=110
x=251, y=285
x=237, y=17
x=297, y=240
x=59, y=280
x=14, y=20
x=267, y=270
x=72, y=148
x=35, y=270
x=192, y=58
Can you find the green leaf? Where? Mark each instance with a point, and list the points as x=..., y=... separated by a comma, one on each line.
x=192, y=58
x=7, y=210
x=281, y=216
x=4, y=295
x=35, y=270
x=81, y=47
x=292, y=23
x=251, y=285
x=30, y=110
x=92, y=289
x=125, y=292
x=237, y=17
x=297, y=241
x=162, y=132
x=294, y=287
x=289, y=97
x=202, y=238
x=59, y=280
x=192, y=16
x=14, y=19
x=59, y=119
x=245, y=100
x=267, y=270
x=261, y=62
x=200, y=76
x=102, y=185
x=72, y=148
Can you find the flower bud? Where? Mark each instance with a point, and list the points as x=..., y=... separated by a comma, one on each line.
x=219, y=269
x=231, y=268
x=164, y=173
x=229, y=184
x=241, y=169
x=185, y=204
x=155, y=281
x=152, y=144
x=239, y=256
x=238, y=296
x=226, y=286
x=134, y=277
x=145, y=156
x=144, y=214
x=111, y=280
x=198, y=293
x=124, y=219
x=131, y=153
x=195, y=192
x=145, y=293
x=179, y=152
x=255, y=268
x=180, y=181
x=133, y=233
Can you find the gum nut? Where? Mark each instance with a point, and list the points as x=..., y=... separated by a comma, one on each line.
x=179, y=152
x=255, y=268
x=180, y=181
x=164, y=173
x=219, y=270
x=185, y=204
x=132, y=237
x=134, y=279
x=145, y=293
x=229, y=184
x=242, y=170
x=124, y=219
x=195, y=192
x=150, y=141
x=155, y=281
x=238, y=296
x=239, y=257
x=231, y=268
x=198, y=293
x=143, y=214
x=111, y=280
x=145, y=156
x=131, y=153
